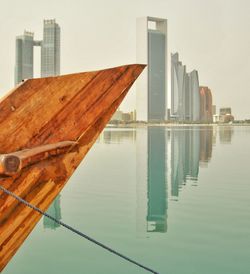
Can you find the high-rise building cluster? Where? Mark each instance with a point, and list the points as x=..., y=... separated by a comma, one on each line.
x=189, y=101
x=50, y=52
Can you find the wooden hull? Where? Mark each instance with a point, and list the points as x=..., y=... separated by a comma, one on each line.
x=42, y=111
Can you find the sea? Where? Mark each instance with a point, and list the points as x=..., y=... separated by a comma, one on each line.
x=174, y=199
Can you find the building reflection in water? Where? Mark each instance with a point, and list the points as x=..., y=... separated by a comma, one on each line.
x=117, y=136
x=157, y=184
x=185, y=152
x=54, y=211
x=167, y=159
x=226, y=134
x=206, y=142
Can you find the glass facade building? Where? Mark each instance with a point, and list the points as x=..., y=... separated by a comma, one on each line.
x=206, y=109
x=185, y=95
x=195, y=96
x=50, y=52
x=179, y=89
x=24, y=57
x=151, y=100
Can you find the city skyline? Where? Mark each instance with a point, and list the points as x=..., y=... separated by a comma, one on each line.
x=217, y=58
x=189, y=100
x=50, y=52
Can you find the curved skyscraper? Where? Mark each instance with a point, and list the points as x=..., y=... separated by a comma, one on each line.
x=185, y=96
x=179, y=89
x=195, y=96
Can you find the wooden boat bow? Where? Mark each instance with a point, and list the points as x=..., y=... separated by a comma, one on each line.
x=35, y=119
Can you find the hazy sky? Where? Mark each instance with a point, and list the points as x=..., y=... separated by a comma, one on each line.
x=211, y=36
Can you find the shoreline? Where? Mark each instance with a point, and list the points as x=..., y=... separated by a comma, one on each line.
x=170, y=125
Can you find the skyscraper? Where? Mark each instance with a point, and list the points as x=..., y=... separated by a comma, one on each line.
x=50, y=52
x=185, y=95
x=151, y=101
x=24, y=56
x=179, y=89
x=206, y=112
x=195, y=96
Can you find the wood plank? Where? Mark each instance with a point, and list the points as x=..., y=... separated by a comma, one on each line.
x=76, y=110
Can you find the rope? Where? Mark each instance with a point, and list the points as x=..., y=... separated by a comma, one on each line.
x=76, y=231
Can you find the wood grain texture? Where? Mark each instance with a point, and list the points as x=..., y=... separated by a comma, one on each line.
x=43, y=111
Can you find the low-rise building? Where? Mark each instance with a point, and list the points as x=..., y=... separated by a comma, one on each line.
x=226, y=115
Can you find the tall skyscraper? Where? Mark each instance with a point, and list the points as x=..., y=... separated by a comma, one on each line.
x=24, y=56
x=185, y=94
x=151, y=49
x=50, y=52
x=206, y=111
x=179, y=89
x=195, y=96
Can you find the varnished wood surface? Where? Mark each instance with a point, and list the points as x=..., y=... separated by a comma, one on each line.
x=14, y=162
x=44, y=111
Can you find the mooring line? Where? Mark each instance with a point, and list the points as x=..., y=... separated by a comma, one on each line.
x=76, y=231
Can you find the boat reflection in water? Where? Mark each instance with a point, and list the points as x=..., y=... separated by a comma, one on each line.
x=166, y=161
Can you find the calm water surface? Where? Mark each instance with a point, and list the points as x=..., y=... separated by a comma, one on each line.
x=175, y=199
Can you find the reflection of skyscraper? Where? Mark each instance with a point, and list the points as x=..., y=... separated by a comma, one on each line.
x=185, y=155
x=152, y=85
x=157, y=196
x=194, y=153
x=177, y=161
x=225, y=134
x=54, y=211
x=151, y=180
x=181, y=150
x=206, y=144
x=115, y=136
